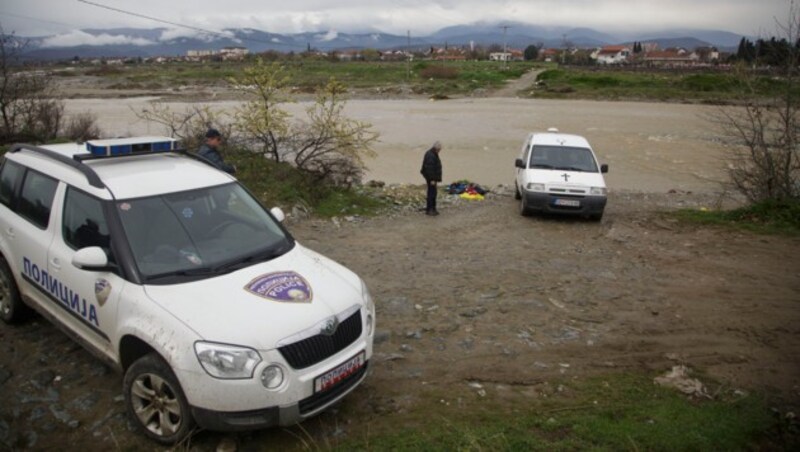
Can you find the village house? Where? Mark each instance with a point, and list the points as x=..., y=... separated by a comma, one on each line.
x=611, y=55
x=676, y=57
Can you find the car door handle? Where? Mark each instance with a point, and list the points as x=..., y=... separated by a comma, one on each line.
x=55, y=263
x=10, y=233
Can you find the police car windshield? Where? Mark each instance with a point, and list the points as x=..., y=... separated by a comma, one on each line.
x=199, y=233
x=563, y=158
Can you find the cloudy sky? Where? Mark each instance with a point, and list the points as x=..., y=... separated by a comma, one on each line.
x=420, y=17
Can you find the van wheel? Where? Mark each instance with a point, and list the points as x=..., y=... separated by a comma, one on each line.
x=155, y=401
x=517, y=194
x=12, y=309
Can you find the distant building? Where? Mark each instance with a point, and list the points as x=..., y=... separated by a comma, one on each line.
x=233, y=53
x=612, y=55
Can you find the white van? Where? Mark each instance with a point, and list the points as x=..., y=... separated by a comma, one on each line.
x=559, y=173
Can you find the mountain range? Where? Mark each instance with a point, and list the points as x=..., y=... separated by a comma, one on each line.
x=134, y=42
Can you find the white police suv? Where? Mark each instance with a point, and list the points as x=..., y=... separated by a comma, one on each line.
x=559, y=173
x=170, y=271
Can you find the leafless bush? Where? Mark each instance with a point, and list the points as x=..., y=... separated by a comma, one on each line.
x=765, y=159
x=82, y=127
x=189, y=125
x=28, y=108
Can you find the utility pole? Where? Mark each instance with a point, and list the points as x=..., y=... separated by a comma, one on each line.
x=505, y=46
x=408, y=57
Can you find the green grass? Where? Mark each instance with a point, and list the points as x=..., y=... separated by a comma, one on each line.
x=770, y=217
x=309, y=74
x=616, y=412
x=710, y=87
x=280, y=184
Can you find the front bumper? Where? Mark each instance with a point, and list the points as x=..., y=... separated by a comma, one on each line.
x=278, y=415
x=548, y=202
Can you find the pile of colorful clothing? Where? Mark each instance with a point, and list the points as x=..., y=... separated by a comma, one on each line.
x=466, y=190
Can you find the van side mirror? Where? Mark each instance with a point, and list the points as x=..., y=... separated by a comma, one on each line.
x=604, y=168
x=519, y=163
x=278, y=214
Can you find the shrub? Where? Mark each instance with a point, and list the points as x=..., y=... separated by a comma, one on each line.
x=81, y=127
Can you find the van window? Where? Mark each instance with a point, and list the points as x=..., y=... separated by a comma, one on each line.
x=10, y=175
x=563, y=158
x=36, y=198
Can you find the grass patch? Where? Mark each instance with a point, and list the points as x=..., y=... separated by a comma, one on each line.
x=618, y=412
x=280, y=184
x=708, y=87
x=769, y=217
x=427, y=77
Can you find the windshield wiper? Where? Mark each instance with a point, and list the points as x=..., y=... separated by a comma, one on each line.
x=542, y=165
x=572, y=168
x=269, y=254
x=203, y=271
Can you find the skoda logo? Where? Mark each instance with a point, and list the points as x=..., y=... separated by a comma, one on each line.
x=330, y=327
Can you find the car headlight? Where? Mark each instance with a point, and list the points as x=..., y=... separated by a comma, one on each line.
x=227, y=361
x=370, y=305
x=535, y=187
x=598, y=191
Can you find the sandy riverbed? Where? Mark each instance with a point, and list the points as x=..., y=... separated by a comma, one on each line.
x=650, y=147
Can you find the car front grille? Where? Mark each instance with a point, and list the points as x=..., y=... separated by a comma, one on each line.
x=305, y=353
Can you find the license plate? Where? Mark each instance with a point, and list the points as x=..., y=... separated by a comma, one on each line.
x=567, y=202
x=333, y=376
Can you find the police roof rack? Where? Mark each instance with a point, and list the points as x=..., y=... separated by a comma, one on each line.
x=91, y=176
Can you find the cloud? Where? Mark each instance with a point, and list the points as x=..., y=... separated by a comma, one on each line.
x=81, y=38
x=329, y=36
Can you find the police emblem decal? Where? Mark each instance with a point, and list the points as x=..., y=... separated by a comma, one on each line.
x=281, y=286
x=102, y=289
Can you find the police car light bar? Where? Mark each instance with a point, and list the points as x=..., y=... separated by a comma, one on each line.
x=131, y=146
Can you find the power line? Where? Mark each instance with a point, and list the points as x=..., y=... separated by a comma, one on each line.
x=190, y=27
x=20, y=16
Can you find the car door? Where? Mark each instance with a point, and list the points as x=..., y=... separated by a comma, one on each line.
x=28, y=228
x=92, y=296
x=524, y=155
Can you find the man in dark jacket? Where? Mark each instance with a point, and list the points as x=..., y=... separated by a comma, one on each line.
x=432, y=172
x=209, y=151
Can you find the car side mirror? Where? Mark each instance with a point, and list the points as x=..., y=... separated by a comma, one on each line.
x=604, y=168
x=278, y=214
x=91, y=258
x=519, y=163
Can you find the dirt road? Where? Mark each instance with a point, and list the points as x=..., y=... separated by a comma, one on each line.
x=483, y=294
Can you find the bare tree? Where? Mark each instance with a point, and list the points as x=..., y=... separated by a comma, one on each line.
x=331, y=146
x=28, y=107
x=188, y=125
x=765, y=160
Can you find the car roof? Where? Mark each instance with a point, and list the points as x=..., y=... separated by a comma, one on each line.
x=559, y=139
x=125, y=176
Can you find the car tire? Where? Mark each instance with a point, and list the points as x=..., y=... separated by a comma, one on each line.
x=12, y=309
x=155, y=401
x=517, y=194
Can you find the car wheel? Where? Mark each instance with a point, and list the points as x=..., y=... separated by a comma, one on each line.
x=155, y=401
x=517, y=194
x=523, y=207
x=12, y=309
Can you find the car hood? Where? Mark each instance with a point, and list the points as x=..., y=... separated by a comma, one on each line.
x=260, y=305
